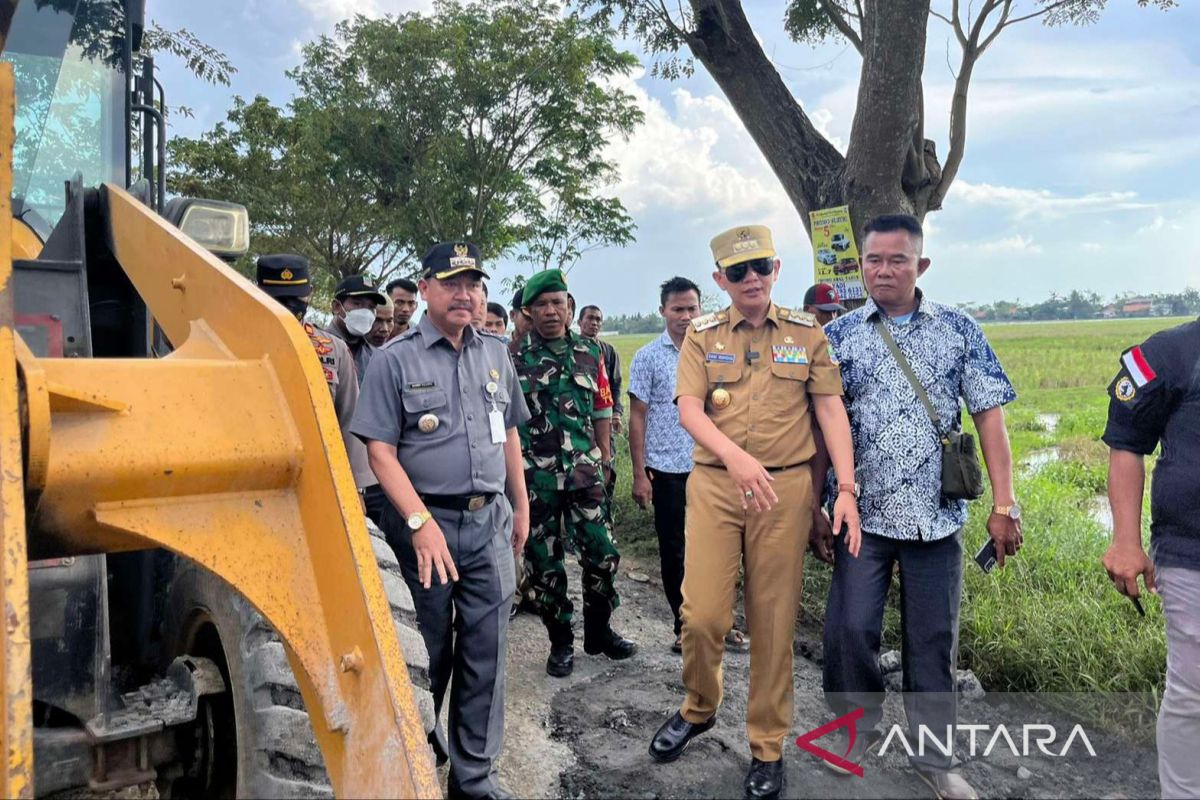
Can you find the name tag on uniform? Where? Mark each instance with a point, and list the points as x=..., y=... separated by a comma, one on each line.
x=420, y=386
x=789, y=354
x=496, y=423
x=720, y=358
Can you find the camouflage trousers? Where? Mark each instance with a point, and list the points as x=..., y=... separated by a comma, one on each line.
x=580, y=515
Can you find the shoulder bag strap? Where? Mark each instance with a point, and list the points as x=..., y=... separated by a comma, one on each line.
x=881, y=326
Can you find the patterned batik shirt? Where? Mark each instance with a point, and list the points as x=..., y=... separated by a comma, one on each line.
x=652, y=380
x=897, y=453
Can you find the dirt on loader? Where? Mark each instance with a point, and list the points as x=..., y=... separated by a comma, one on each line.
x=586, y=736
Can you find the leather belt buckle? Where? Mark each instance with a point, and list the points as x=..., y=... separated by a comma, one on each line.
x=476, y=502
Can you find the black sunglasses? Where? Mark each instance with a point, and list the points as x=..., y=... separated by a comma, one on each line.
x=737, y=273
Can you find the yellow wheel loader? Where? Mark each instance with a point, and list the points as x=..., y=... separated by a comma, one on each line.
x=191, y=593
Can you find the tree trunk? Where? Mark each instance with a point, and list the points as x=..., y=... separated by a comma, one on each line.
x=888, y=167
x=807, y=165
x=888, y=116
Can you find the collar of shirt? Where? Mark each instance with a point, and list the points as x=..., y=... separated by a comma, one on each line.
x=666, y=341
x=870, y=309
x=736, y=317
x=431, y=334
x=536, y=339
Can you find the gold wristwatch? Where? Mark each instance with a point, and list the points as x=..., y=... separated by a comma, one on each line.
x=1012, y=512
x=417, y=519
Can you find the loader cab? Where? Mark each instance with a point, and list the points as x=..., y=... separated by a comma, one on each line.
x=88, y=111
x=71, y=77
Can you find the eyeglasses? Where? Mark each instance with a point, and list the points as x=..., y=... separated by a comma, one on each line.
x=737, y=273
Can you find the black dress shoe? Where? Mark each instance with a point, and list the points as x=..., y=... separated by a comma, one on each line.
x=765, y=779
x=612, y=644
x=672, y=738
x=498, y=792
x=561, y=661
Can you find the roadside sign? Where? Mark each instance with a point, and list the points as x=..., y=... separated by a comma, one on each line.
x=835, y=253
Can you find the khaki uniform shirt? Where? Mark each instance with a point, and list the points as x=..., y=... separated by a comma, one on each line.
x=768, y=374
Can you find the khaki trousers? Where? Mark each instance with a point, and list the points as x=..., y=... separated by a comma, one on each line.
x=720, y=535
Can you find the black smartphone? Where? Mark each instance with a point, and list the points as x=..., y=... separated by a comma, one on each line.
x=986, y=557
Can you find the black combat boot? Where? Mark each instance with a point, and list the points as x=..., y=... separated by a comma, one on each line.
x=599, y=638
x=561, y=661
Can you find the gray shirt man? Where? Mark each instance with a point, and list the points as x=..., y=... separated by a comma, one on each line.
x=433, y=403
x=423, y=377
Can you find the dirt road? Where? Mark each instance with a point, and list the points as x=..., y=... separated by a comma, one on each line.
x=586, y=736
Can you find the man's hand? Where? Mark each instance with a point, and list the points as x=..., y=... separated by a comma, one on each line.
x=617, y=423
x=752, y=480
x=520, y=532
x=642, y=491
x=1124, y=563
x=430, y=544
x=1006, y=533
x=820, y=541
x=845, y=512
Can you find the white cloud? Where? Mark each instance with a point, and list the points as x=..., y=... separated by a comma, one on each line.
x=1015, y=244
x=696, y=159
x=330, y=12
x=1042, y=203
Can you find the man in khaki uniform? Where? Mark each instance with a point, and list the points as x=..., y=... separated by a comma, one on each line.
x=747, y=376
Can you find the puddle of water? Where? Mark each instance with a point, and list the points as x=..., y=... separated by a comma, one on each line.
x=1038, y=459
x=1049, y=421
x=1099, y=510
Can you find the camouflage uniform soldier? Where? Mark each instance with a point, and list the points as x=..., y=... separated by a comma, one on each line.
x=566, y=447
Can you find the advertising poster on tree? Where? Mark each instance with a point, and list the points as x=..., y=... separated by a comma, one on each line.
x=835, y=253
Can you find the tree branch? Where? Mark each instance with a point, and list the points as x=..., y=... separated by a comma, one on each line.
x=835, y=16
x=1040, y=12
x=806, y=164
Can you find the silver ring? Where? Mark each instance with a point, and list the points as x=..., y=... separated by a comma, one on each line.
x=749, y=495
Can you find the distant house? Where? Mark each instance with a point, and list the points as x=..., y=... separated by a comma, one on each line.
x=1137, y=307
x=1109, y=311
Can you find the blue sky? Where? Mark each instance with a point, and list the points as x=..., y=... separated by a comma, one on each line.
x=1082, y=166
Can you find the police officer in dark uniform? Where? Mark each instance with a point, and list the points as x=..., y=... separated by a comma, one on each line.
x=1155, y=400
x=439, y=410
x=286, y=277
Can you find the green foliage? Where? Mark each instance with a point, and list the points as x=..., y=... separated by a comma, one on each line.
x=203, y=60
x=652, y=24
x=806, y=21
x=1086, y=305
x=484, y=121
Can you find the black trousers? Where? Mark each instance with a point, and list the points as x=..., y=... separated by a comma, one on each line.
x=669, y=495
x=930, y=590
x=375, y=501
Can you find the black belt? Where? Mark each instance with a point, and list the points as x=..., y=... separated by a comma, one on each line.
x=768, y=469
x=458, y=502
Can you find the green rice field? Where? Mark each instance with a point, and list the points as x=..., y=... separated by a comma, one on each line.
x=1051, y=620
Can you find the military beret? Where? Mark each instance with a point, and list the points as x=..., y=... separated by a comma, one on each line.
x=548, y=280
x=283, y=275
x=516, y=301
x=744, y=243
x=447, y=259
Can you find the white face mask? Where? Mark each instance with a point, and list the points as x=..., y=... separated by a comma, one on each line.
x=359, y=321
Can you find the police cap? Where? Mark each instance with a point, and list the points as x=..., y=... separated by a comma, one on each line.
x=284, y=275
x=447, y=259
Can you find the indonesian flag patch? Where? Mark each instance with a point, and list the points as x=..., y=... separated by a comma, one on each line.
x=1138, y=367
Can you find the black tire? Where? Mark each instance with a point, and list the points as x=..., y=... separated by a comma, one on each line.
x=274, y=752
